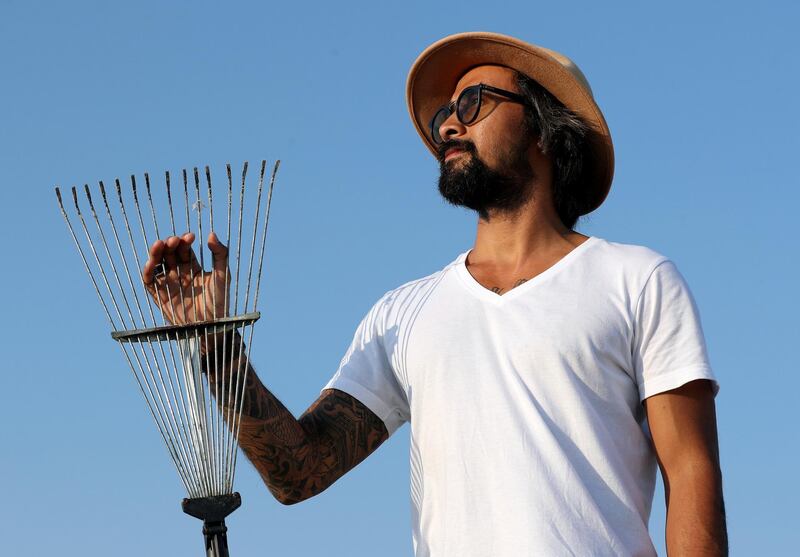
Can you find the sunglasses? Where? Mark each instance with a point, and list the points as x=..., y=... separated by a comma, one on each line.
x=467, y=107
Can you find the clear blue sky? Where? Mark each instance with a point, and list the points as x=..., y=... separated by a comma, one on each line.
x=701, y=99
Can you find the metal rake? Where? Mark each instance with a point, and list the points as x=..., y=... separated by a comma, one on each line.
x=197, y=418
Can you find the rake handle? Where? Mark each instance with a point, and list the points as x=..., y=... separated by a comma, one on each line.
x=215, y=533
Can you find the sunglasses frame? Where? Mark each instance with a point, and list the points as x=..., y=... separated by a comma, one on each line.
x=452, y=106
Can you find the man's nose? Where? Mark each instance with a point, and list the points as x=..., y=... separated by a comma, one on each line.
x=452, y=128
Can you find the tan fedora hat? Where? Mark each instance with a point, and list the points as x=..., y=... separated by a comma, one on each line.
x=435, y=74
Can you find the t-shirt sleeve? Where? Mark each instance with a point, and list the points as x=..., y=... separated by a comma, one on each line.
x=366, y=372
x=669, y=349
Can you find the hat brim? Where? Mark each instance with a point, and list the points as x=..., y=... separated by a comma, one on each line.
x=435, y=74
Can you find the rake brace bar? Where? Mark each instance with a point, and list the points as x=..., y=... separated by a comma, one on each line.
x=169, y=332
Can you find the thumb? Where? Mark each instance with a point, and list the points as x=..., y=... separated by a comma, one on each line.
x=219, y=252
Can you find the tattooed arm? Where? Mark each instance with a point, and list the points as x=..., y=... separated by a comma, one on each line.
x=299, y=458
x=296, y=458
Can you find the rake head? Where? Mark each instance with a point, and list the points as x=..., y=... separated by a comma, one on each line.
x=182, y=328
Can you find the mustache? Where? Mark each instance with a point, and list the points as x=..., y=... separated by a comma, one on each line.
x=466, y=146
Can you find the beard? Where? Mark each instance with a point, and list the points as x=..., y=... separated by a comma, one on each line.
x=475, y=186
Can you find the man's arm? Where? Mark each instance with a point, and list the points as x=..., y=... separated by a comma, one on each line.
x=299, y=458
x=296, y=458
x=684, y=429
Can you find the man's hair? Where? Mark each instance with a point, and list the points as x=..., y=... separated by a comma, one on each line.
x=564, y=139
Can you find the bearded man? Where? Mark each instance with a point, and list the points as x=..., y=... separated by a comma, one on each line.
x=544, y=373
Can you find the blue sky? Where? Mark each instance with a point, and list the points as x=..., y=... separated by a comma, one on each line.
x=701, y=102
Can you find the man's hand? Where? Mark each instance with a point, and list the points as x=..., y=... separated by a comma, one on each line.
x=183, y=290
x=684, y=429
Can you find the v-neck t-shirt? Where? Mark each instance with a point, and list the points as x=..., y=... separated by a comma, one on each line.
x=528, y=435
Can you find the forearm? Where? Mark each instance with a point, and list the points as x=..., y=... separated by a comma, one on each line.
x=285, y=455
x=298, y=458
x=696, y=513
x=270, y=436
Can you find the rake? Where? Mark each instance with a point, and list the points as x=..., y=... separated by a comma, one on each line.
x=197, y=416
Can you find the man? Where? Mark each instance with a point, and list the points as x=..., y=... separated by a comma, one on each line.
x=543, y=372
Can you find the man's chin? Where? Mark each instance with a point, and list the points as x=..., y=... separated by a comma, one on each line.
x=457, y=196
x=465, y=181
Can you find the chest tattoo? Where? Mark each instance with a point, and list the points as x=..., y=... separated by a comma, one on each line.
x=498, y=290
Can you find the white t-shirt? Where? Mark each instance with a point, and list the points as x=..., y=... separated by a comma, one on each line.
x=528, y=435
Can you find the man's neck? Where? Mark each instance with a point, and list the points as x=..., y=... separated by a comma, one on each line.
x=513, y=247
x=513, y=242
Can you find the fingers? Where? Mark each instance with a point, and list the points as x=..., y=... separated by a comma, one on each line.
x=156, y=255
x=171, y=252
x=170, y=258
x=176, y=253
x=185, y=253
x=219, y=253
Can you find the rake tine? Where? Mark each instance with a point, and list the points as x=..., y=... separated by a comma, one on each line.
x=232, y=467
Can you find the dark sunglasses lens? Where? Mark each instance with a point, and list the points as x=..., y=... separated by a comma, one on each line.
x=437, y=122
x=468, y=104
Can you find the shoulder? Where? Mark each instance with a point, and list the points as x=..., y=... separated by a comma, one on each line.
x=411, y=294
x=624, y=271
x=418, y=286
x=628, y=256
x=633, y=263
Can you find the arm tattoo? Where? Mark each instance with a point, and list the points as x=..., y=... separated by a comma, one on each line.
x=299, y=458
